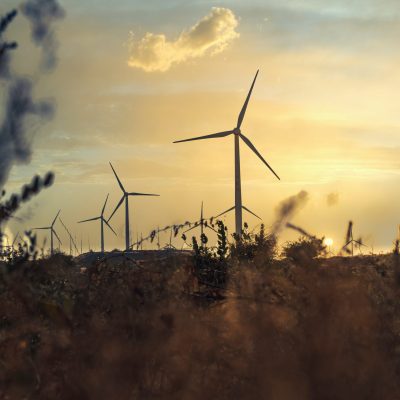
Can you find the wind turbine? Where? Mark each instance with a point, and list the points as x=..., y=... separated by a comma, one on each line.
x=125, y=197
x=202, y=223
x=351, y=240
x=71, y=239
x=102, y=222
x=170, y=246
x=237, y=133
x=52, y=232
x=11, y=246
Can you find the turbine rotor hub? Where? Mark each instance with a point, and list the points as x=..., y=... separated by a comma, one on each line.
x=237, y=131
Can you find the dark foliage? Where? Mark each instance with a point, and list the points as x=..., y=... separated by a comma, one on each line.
x=210, y=264
x=257, y=249
x=27, y=249
x=121, y=330
x=304, y=251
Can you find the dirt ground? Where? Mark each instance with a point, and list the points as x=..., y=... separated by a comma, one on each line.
x=129, y=330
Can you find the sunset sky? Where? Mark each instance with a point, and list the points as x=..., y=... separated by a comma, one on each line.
x=133, y=76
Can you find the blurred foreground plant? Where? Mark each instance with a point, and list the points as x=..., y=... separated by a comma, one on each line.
x=8, y=208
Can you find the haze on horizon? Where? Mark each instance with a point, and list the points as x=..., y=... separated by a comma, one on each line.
x=133, y=77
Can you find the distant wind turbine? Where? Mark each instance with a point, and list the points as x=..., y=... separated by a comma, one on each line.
x=170, y=246
x=102, y=222
x=125, y=197
x=11, y=246
x=52, y=232
x=71, y=239
x=238, y=207
x=351, y=241
x=202, y=223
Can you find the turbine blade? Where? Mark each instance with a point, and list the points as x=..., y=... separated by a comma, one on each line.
x=142, y=194
x=106, y=222
x=346, y=244
x=48, y=227
x=87, y=220
x=244, y=108
x=349, y=232
x=193, y=227
x=56, y=218
x=360, y=243
x=230, y=209
x=251, y=212
x=210, y=227
x=55, y=233
x=247, y=141
x=15, y=239
x=212, y=136
x=104, y=207
x=119, y=182
x=116, y=208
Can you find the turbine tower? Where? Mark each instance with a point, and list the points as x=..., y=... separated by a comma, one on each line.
x=52, y=232
x=237, y=133
x=102, y=222
x=125, y=197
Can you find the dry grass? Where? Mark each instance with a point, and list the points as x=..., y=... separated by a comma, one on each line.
x=330, y=331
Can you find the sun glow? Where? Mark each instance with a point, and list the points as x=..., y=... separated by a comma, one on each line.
x=328, y=242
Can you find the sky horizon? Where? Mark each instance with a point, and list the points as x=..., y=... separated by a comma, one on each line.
x=134, y=77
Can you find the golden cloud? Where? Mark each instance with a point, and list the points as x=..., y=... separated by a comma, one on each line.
x=212, y=34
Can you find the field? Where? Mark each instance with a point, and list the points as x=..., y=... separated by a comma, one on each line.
x=285, y=330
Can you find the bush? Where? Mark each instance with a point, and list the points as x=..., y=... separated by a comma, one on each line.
x=210, y=266
x=258, y=249
x=304, y=251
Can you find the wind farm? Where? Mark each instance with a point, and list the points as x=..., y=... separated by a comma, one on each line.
x=187, y=268
x=187, y=228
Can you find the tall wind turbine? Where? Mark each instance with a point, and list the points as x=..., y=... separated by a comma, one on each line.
x=102, y=222
x=237, y=133
x=125, y=197
x=52, y=232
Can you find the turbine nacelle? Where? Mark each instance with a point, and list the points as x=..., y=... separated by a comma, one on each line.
x=236, y=131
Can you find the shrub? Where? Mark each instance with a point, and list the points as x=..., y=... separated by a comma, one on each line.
x=258, y=249
x=304, y=250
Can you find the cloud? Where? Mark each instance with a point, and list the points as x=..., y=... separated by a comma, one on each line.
x=212, y=34
x=332, y=199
